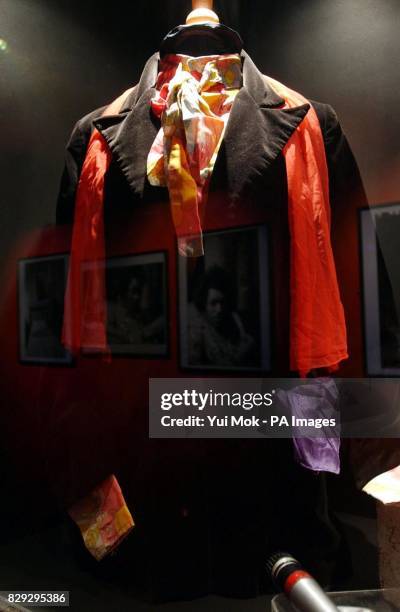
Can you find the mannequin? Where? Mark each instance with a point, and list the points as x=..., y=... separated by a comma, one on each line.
x=202, y=13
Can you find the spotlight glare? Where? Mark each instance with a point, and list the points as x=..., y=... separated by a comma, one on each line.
x=3, y=45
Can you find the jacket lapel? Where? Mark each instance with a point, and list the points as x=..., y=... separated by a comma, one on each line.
x=131, y=133
x=257, y=130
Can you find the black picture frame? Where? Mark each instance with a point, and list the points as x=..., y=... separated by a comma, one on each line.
x=380, y=256
x=41, y=289
x=239, y=260
x=137, y=305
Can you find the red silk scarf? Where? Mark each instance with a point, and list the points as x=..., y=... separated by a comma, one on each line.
x=85, y=306
x=317, y=324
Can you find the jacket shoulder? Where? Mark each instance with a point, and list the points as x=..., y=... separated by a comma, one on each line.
x=76, y=151
x=85, y=123
x=82, y=129
x=84, y=126
x=328, y=120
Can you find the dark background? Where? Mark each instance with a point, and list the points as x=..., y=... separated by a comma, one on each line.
x=67, y=57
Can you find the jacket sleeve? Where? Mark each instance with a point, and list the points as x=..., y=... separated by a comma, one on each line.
x=74, y=157
x=368, y=457
x=345, y=183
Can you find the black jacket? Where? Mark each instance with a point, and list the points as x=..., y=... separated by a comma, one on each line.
x=236, y=506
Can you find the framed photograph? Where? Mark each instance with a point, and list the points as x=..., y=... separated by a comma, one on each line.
x=137, y=302
x=380, y=232
x=224, y=302
x=41, y=285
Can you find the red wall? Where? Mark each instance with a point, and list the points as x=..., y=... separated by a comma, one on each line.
x=69, y=427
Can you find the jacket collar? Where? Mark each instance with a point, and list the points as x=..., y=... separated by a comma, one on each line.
x=257, y=130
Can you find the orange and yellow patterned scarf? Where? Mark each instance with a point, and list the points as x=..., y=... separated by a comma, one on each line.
x=103, y=518
x=193, y=100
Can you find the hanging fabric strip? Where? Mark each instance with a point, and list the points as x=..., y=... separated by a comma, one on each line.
x=85, y=303
x=193, y=101
x=85, y=306
x=317, y=323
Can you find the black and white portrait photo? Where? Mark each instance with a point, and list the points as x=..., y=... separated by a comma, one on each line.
x=42, y=283
x=380, y=227
x=224, y=318
x=137, y=305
